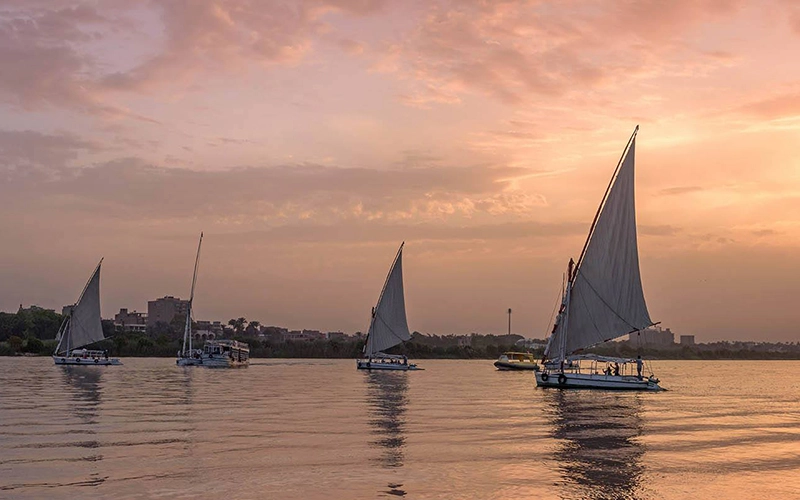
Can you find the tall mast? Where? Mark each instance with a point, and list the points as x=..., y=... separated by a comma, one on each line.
x=62, y=332
x=187, y=332
x=380, y=297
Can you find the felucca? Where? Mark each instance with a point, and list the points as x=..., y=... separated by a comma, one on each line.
x=602, y=298
x=81, y=327
x=389, y=325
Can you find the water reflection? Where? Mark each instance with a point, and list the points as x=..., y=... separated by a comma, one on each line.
x=387, y=402
x=600, y=454
x=85, y=386
x=186, y=399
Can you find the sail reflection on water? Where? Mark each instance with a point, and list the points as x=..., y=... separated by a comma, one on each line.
x=387, y=401
x=84, y=384
x=600, y=456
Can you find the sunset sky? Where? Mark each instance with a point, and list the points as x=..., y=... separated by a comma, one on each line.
x=308, y=139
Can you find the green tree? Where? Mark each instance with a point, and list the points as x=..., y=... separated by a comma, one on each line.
x=178, y=325
x=161, y=328
x=15, y=342
x=238, y=325
x=33, y=345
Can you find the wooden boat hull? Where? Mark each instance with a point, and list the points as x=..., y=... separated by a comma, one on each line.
x=187, y=361
x=77, y=361
x=588, y=381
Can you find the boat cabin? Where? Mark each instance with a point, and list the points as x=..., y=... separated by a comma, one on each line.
x=518, y=357
x=392, y=359
x=88, y=354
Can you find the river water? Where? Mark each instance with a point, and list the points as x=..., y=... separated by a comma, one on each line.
x=307, y=429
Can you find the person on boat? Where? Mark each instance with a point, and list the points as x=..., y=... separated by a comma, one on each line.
x=639, y=366
x=616, y=369
x=607, y=371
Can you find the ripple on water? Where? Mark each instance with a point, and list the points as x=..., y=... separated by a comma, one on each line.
x=321, y=429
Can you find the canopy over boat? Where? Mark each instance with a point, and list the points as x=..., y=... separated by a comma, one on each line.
x=519, y=356
x=601, y=359
x=389, y=326
x=383, y=355
x=83, y=325
x=603, y=299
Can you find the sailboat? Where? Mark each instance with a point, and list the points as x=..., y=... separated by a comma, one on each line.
x=602, y=298
x=81, y=327
x=388, y=326
x=187, y=356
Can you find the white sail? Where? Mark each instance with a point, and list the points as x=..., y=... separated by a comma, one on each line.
x=606, y=300
x=389, y=325
x=85, y=326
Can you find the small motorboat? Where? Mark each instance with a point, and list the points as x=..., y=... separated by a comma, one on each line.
x=516, y=361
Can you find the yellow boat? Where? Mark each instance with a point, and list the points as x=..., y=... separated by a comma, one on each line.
x=516, y=361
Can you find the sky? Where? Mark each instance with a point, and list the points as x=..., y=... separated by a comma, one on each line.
x=308, y=139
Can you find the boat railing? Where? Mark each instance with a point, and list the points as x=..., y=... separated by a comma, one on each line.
x=86, y=354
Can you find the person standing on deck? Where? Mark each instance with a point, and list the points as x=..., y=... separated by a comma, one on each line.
x=639, y=366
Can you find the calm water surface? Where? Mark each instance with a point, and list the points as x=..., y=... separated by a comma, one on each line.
x=320, y=429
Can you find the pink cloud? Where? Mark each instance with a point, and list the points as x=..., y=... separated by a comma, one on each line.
x=48, y=58
x=206, y=36
x=418, y=188
x=43, y=65
x=29, y=148
x=779, y=106
x=518, y=51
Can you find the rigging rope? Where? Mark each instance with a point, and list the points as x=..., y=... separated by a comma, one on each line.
x=604, y=302
x=377, y=316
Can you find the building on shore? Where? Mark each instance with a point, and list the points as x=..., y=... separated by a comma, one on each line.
x=130, y=321
x=303, y=335
x=687, y=339
x=165, y=309
x=208, y=330
x=34, y=308
x=335, y=336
